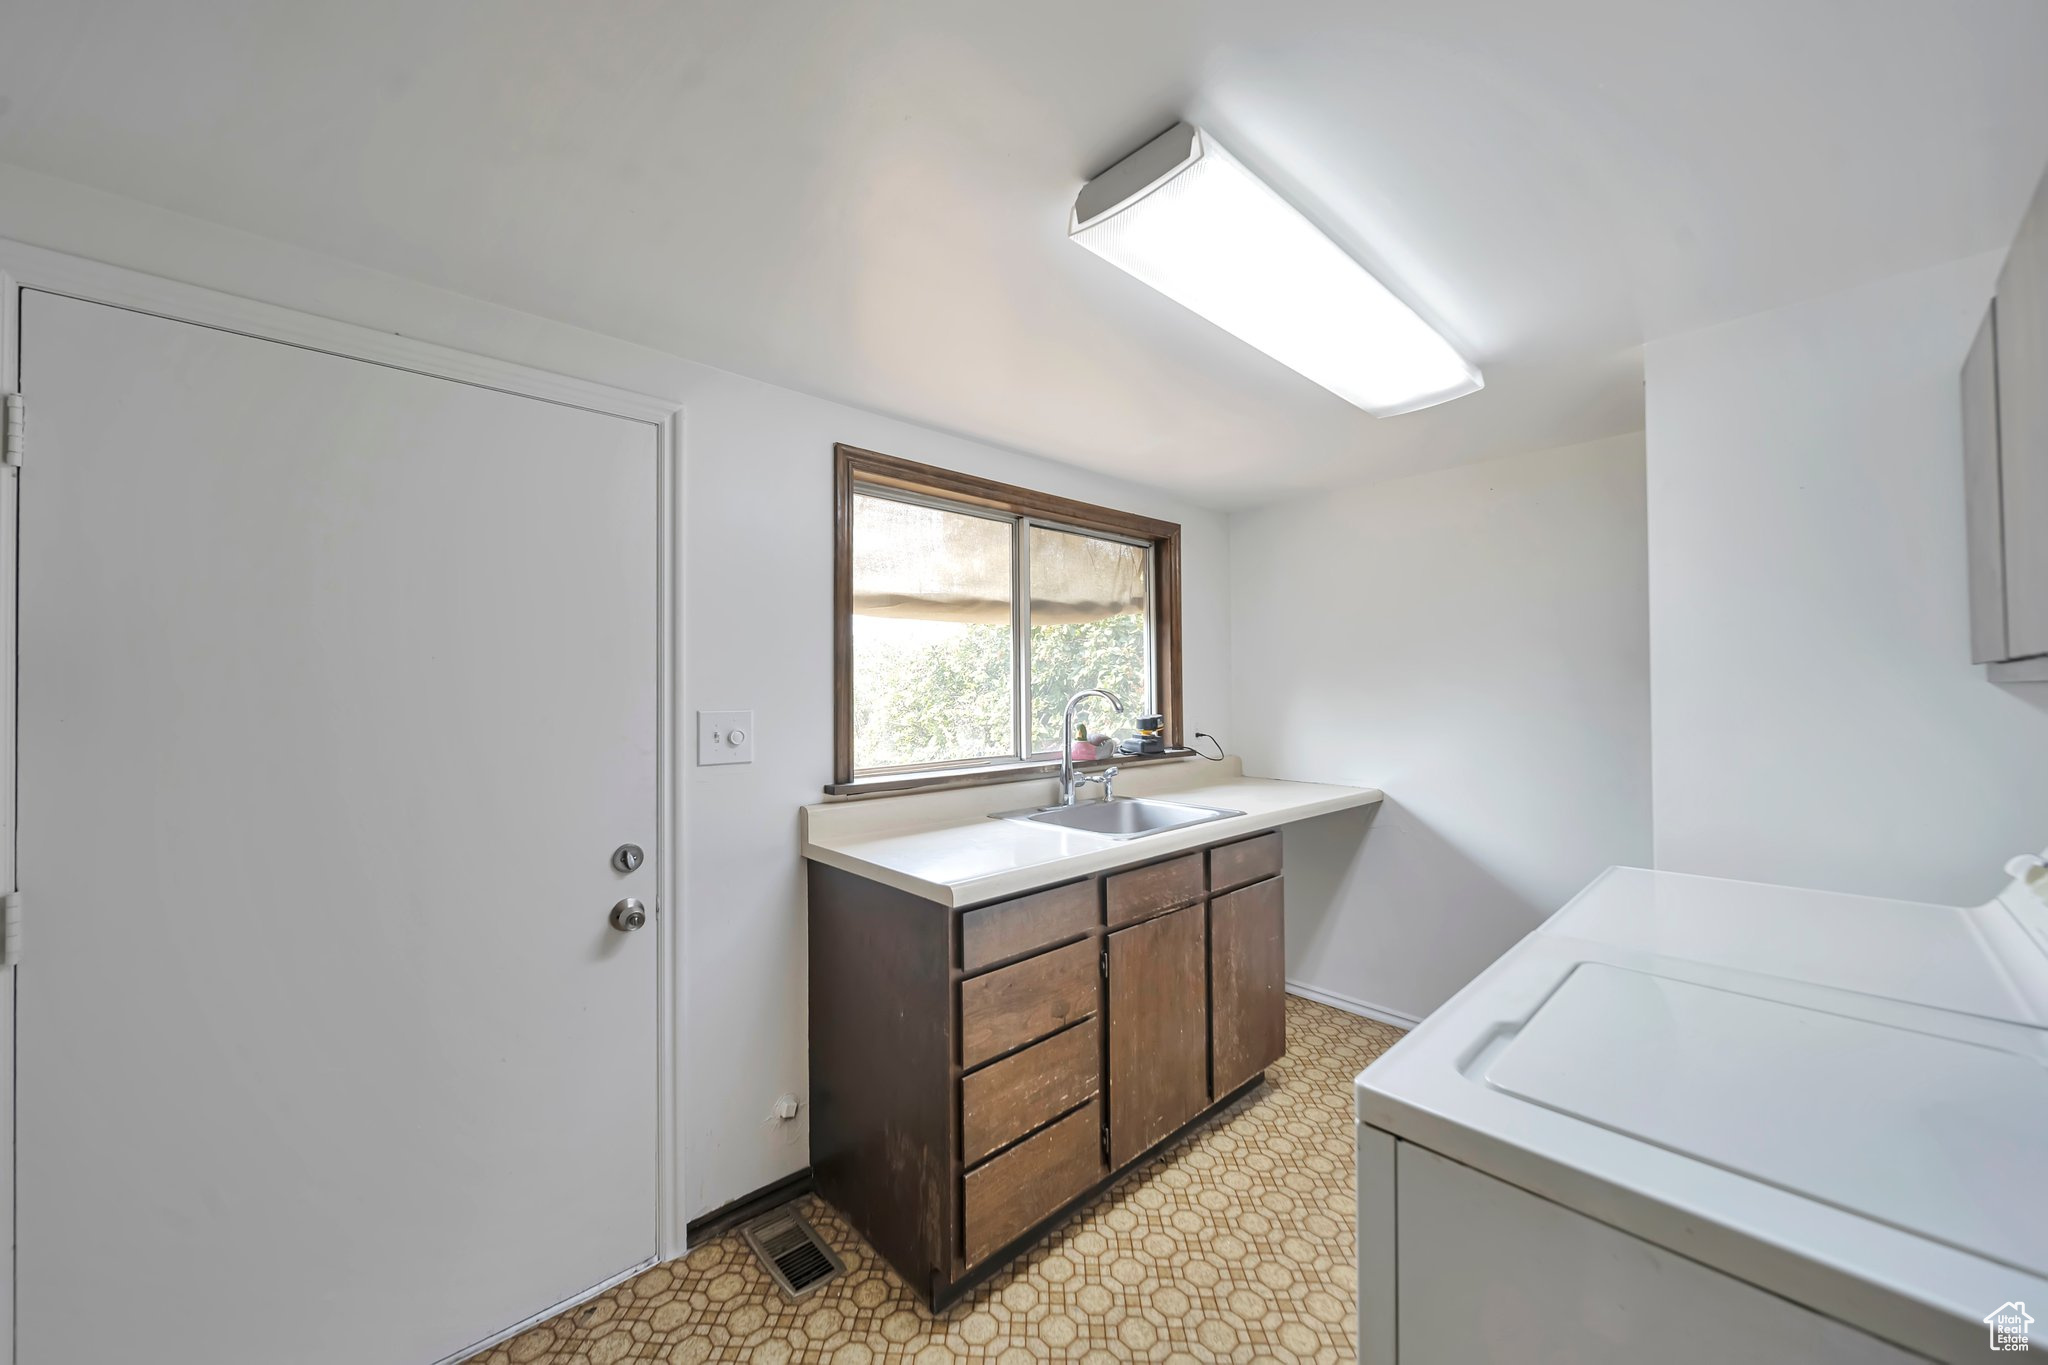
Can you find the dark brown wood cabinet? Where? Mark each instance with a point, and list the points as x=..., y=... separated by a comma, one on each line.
x=1247, y=983
x=976, y=1073
x=1158, y=1029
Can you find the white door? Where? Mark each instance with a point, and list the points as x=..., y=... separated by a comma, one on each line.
x=337, y=692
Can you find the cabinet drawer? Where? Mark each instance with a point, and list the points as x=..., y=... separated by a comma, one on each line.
x=1007, y=1196
x=1007, y=1099
x=1244, y=862
x=1014, y=1005
x=1147, y=890
x=1008, y=928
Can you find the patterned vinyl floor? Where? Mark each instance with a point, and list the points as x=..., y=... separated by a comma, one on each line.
x=1237, y=1245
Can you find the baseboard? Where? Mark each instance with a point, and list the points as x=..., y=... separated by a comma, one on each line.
x=772, y=1195
x=1350, y=1006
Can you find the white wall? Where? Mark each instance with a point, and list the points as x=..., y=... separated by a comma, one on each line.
x=1474, y=643
x=1817, y=719
x=757, y=559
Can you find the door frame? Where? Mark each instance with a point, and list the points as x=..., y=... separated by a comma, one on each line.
x=30, y=267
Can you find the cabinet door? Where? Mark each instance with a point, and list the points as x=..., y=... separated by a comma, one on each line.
x=2023, y=430
x=1248, y=984
x=1983, y=496
x=1158, y=1029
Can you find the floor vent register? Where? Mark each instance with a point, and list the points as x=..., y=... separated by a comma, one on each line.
x=795, y=1255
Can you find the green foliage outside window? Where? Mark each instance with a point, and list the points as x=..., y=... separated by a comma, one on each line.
x=1067, y=658
x=934, y=692
x=929, y=695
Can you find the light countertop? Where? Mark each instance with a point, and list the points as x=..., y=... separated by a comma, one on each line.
x=942, y=845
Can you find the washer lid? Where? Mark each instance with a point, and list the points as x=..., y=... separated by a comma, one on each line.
x=1934, y=1135
x=1971, y=961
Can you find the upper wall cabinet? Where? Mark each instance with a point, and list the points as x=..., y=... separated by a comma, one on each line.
x=1983, y=495
x=2005, y=456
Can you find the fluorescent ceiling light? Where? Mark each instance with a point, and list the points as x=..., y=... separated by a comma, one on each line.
x=1182, y=215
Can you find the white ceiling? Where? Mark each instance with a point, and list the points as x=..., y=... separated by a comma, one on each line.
x=867, y=200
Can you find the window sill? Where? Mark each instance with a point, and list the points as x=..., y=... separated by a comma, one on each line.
x=895, y=784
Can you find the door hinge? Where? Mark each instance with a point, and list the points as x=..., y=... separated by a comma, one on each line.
x=10, y=943
x=16, y=431
x=1105, y=1142
x=1105, y=963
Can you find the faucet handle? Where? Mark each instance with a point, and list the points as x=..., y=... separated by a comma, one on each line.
x=1106, y=777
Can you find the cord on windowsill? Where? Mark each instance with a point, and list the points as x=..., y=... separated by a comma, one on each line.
x=1216, y=757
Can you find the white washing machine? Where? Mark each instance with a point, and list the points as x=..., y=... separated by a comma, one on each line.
x=1692, y=1119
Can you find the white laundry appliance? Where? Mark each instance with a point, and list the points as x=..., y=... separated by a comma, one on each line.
x=1692, y=1119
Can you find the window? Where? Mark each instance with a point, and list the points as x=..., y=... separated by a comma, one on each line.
x=969, y=611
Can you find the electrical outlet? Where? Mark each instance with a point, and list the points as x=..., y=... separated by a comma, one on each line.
x=725, y=737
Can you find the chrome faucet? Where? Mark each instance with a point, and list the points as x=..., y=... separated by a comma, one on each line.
x=1069, y=779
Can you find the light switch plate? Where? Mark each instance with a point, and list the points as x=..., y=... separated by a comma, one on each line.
x=725, y=737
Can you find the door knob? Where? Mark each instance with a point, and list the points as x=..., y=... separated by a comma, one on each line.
x=628, y=915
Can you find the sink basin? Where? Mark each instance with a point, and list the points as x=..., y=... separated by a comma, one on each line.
x=1125, y=817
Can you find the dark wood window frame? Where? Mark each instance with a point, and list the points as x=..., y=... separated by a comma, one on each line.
x=854, y=468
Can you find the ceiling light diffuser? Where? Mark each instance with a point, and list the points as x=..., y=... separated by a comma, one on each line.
x=1184, y=216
